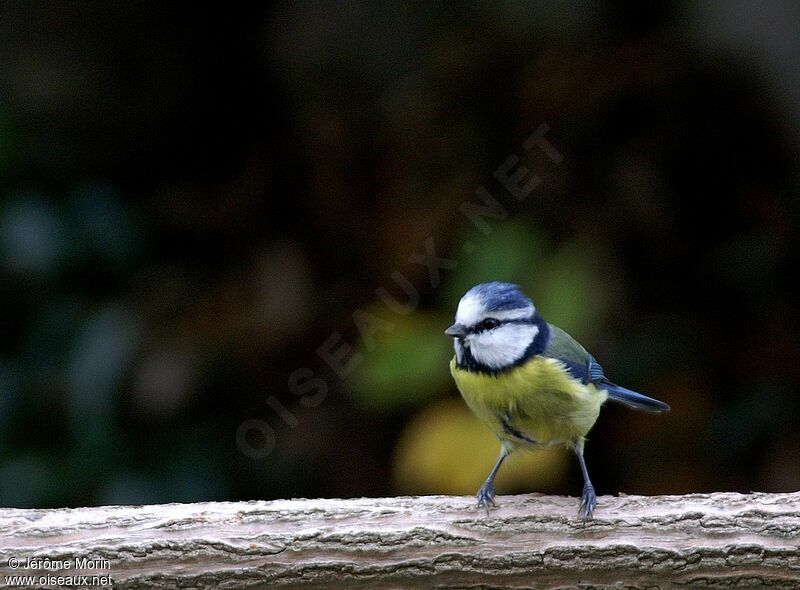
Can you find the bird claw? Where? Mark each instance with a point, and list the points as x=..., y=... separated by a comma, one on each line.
x=588, y=503
x=485, y=497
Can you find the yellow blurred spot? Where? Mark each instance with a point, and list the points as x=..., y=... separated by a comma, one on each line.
x=445, y=449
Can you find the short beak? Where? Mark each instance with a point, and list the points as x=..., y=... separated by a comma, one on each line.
x=456, y=330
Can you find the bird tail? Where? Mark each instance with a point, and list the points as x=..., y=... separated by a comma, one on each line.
x=634, y=400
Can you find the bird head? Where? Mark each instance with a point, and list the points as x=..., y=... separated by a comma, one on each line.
x=496, y=328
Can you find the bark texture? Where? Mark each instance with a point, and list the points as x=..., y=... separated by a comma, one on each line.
x=722, y=540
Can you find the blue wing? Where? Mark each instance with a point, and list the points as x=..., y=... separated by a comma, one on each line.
x=584, y=367
x=588, y=371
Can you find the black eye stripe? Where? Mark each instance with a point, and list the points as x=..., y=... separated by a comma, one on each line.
x=480, y=327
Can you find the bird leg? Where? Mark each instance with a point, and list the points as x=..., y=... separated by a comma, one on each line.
x=485, y=494
x=588, y=498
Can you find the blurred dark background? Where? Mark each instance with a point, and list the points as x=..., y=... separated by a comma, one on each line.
x=193, y=201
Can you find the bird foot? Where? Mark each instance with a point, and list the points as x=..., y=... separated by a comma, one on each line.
x=485, y=496
x=588, y=503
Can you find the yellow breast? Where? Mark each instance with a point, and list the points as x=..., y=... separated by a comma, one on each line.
x=540, y=398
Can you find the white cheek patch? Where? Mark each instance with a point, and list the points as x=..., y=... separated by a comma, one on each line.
x=502, y=346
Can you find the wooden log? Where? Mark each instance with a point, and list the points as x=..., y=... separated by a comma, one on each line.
x=722, y=540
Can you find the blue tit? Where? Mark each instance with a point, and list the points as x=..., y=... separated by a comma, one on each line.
x=529, y=381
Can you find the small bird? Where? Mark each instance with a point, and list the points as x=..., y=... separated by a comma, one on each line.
x=529, y=381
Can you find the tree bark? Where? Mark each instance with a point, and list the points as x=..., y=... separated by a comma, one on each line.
x=722, y=540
